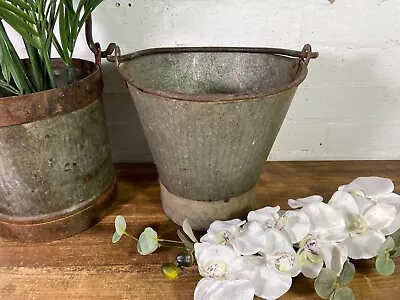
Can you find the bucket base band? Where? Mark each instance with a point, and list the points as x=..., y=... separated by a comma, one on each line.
x=201, y=214
x=63, y=227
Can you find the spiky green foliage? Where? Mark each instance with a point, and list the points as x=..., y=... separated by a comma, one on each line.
x=34, y=21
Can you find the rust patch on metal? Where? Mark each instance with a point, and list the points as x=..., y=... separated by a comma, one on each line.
x=28, y=108
x=54, y=229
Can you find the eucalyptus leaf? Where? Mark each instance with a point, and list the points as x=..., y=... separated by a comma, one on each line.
x=396, y=238
x=188, y=230
x=347, y=274
x=116, y=237
x=120, y=225
x=395, y=253
x=148, y=241
x=325, y=283
x=389, y=244
x=343, y=293
x=384, y=264
x=188, y=244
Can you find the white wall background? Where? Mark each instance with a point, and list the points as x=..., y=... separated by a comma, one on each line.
x=348, y=108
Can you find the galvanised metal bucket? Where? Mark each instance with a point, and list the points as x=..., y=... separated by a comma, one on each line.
x=211, y=116
x=56, y=175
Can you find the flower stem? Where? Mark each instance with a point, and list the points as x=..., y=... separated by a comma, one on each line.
x=170, y=241
x=131, y=236
x=170, y=246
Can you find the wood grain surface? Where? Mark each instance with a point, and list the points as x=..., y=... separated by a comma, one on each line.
x=89, y=266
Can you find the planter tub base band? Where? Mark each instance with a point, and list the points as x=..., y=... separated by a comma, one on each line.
x=66, y=226
x=201, y=214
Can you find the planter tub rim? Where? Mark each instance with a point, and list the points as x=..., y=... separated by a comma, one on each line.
x=21, y=109
x=299, y=76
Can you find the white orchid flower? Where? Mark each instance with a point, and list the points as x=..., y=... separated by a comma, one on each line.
x=226, y=275
x=276, y=267
x=245, y=241
x=365, y=224
x=301, y=202
x=322, y=244
x=294, y=224
x=368, y=191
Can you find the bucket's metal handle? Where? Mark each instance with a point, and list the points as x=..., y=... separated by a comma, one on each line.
x=305, y=54
x=309, y=54
x=95, y=47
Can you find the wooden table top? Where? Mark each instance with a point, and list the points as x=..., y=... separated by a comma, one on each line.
x=89, y=266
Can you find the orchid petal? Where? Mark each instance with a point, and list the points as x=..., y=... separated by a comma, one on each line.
x=208, y=253
x=364, y=246
x=363, y=203
x=264, y=214
x=380, y=216
x=371, y=186
x=276, y=242
x=215, y=233
x=310, y=269
x=269, y=283
x=212, y=289
x=391, y=199
x=394, y=226
x=325, y=222
x=250, y=240
x=345, y=204
x=297, y=226
x=334, y=255
x=224, y=225
x=301, y=202
x=244, y=267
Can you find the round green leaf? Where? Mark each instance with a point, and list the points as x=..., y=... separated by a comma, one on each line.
x=343, y=293
x=396, y=238
x=148, y=242
x=325, y=283
x=347, y=274
x=388, y=244
x=116, y=237
x=384, y=264
x=120, y=225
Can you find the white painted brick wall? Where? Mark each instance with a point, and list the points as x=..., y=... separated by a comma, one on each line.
x=349, y=106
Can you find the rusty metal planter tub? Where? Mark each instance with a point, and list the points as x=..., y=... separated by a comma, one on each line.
x=56, y=174
x=211, y=116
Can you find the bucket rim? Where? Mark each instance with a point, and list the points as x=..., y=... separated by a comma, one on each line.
x=37, y=106
x=301, y=74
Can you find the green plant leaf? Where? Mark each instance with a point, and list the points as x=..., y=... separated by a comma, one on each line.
x=9, y=87
x=343, y=293
x=17, y=11
x=395, y=253
x=347, y=274
x=325, y=283
x=396, y=238
x=188, y=230
x=148, y=241
x=18, y=24
x=188, y=244
x=389, y=244
x=384, y=264
x=116, y=237
x=22, y=4
x=10, y=60
x=120, y=225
